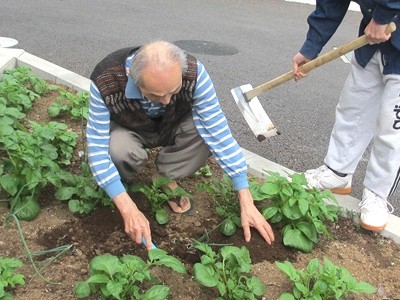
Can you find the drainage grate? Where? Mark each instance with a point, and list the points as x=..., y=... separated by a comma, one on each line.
x=206, y=47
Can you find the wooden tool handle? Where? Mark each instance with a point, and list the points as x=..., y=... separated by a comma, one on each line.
x=312, y=64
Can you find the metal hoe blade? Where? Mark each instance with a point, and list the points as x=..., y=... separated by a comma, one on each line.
x=254, y=114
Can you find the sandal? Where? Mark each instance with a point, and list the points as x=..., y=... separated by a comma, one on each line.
x=177, y=201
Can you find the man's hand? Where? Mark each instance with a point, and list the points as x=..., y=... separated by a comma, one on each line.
x=376, y=33
x=298, y=60
x=137, y=227
x=251, y=217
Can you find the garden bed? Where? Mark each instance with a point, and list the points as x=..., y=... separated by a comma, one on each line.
x=368, y=256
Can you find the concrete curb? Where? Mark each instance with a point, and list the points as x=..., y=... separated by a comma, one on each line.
x=11, y=58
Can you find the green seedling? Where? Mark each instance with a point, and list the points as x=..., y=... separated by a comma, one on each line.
x=59, y=136
x=322, y=281
x=33, y=158
x=77, y=104
x=81, y=192
x=226, y=202
x=10, y=118
x=27, y=208
x=124, y=278
x=19, y=88
x=24, y=76
x=300, y=210
x=16, y=94
x=204, y=171
x=8, y=277
x=229, y=271
x=158, y=194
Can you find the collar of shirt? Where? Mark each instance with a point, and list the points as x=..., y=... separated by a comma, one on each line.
x=131, y=90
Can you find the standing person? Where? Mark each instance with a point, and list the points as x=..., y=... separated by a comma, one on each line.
x=368, y=108
x=158, y=95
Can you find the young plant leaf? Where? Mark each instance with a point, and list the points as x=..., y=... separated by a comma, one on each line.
x=162, y=216
x=82, y=290
x=205, y=275
x=296, y=239
x=28, y=209
x=157, y=292
x=106, y=263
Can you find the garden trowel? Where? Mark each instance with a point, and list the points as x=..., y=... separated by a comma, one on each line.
x=152, y=245
x=249, y=105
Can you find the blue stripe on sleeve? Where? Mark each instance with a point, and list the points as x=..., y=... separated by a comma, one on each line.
x=98, y=137
x=212, y=125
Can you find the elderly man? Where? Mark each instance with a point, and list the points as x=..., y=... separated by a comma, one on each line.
x=159, y=96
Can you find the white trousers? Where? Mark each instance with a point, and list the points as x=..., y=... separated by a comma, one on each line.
x=368, y=109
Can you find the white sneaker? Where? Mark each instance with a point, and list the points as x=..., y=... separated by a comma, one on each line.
x=375, y=211
x=324, y=178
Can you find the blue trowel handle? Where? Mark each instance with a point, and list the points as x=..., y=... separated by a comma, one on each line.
x=152, y=245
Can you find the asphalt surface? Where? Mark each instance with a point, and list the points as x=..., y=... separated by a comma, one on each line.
x=239, y=41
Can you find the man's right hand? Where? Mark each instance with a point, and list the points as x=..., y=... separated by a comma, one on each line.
x=298, y=60
x=137, y=227
x=376, y=33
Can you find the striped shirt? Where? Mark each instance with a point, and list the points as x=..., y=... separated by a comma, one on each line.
x=208, y=118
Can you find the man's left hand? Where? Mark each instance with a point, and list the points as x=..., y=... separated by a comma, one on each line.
x=251, y=217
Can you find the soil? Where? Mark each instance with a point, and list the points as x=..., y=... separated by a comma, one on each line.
x=368, y=256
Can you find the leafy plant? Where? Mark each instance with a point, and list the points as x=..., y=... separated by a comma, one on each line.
x=123, y=278
x=8, y=277
x=9, y=118
x=81, y=192
x=226, y=201
x=33, y=160
x=204, y=171
x=301, y=211
x=158, y=194
x=229, y=271
x=27, y=168
x=24, y=76
x=16, y=94
x=59, y=136
x=322, y=281
x=20, y=88
x=77, y=104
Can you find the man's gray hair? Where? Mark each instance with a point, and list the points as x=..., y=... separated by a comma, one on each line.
x=159, y=53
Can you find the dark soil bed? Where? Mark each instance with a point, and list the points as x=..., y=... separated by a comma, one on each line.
x=368, y=256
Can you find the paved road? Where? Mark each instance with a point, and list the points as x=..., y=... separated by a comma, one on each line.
x=239, y=41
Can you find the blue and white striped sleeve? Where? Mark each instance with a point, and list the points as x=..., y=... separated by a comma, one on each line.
x=212, y=126
x=98, y=138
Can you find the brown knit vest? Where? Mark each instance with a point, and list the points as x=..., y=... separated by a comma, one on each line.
x=110, y=78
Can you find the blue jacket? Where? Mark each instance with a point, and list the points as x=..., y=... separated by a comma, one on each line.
x=328, y=15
